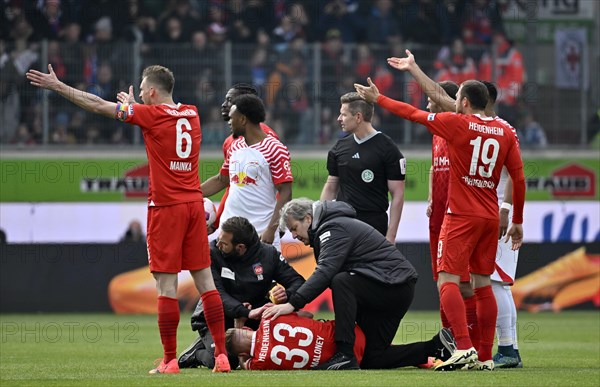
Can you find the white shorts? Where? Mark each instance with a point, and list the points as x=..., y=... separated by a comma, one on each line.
x=506, y=263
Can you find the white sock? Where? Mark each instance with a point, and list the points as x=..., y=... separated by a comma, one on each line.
x=513, y=317
x=507, y=315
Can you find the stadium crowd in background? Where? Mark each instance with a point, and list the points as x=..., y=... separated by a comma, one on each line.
x=90, y=46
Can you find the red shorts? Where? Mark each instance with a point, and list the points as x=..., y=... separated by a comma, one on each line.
x=433, y=249
x=177, y=238
x=468, y=244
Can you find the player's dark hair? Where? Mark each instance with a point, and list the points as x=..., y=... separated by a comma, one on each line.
x=492, y=91
x=241, y=230
x=358, y=105
x=476, y=93
x=251, y=106
x=159, y=76
x=450, y=88
x=245, y=88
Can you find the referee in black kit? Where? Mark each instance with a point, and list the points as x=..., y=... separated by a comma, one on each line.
x=364, y=166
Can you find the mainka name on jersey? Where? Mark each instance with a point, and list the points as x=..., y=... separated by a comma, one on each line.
x=183, y=113
x=264, y=345
x=185, y=166
x=486, y=129
x=479, y=183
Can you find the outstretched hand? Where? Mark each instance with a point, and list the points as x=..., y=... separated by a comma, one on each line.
x=515, y=234
x=124, y=97
x=45, y=81
x=368, y=93
x=402, y=64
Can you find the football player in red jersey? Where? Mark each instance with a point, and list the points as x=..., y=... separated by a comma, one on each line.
x=296, y=341
x=439, y=180
x=176, y=232
x=506, y=260
x=477, y=145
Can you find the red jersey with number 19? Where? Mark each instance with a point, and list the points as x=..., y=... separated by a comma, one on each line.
x=172, y=136
x=478, y=148
x=291, y=342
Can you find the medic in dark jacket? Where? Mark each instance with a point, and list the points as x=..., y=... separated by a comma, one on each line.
x=371, y=282
x=352, y=246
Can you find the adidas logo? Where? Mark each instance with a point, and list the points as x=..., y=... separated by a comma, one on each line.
x=356, y=156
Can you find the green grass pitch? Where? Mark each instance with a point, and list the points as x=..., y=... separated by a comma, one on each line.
x=560, y=349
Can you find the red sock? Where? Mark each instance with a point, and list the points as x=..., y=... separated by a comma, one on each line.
x=168, y=320
x=487, y=312
x=445, y=322
x=213, y=313
x=454, y=308
x=471, y=310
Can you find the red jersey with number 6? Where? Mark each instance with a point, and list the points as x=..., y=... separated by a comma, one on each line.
x=172, y=136
x=291, y=342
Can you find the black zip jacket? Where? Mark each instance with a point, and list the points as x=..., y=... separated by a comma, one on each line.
x=248, y=279
x=343, y=243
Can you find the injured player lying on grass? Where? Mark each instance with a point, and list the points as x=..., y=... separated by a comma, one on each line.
x=295, y=342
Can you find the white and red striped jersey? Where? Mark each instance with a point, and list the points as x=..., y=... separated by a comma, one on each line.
x=253, y=173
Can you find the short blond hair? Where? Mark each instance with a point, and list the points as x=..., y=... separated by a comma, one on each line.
x=160, y=76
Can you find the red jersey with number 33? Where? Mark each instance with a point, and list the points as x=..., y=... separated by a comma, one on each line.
x=291, y=342
x=172, y=136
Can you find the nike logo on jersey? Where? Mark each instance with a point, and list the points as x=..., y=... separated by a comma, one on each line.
x=356, y=156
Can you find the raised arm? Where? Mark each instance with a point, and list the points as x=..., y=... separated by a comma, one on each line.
x=371, y=94
x=90, y=102
x=428, y=85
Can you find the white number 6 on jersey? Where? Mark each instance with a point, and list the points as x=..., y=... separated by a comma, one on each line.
x=181, y=136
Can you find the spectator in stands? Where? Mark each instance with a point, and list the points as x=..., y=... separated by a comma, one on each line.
x=47, y=20
x=23, y=135
x=424, y=21
x=382, y=26
x=285, y=32
x=454, y=65
x=343, y=16
x=60, y=132
x=173, y=31
x=188, y=18
x=364, y=62
x=481, y=19
x=10, y=101
x=239, y=31
x=112, y=15
x=134, y=232
x=71, y=53
x=2, y=237
x=533, y=135
x=509, y=74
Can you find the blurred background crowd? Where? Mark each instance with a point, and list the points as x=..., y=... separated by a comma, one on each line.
x=302, y=55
